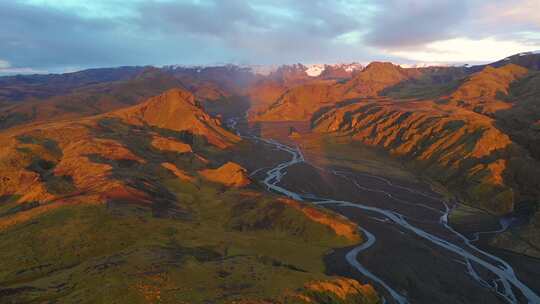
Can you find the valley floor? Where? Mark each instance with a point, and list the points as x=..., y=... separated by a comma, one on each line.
x=418, y=267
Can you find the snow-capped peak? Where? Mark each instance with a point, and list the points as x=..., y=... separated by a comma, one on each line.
x=349, y=67
x=315, y=70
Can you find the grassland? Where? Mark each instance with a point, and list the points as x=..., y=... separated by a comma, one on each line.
x=173, y=241
x=235, y=245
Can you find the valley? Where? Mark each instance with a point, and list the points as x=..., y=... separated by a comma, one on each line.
x=395, y=215
x=382, y=184
x=269, y=152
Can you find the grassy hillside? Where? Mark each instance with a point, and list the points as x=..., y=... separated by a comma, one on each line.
x=461, y=149
x=115, y=209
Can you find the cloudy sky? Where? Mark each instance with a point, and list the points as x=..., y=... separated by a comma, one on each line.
x=67, y=35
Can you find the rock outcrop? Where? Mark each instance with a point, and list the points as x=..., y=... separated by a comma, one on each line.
x=167, y=144
x=343, y=288
x=230, y=174
x=341, y=226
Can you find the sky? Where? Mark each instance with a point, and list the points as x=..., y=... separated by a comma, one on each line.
x=39, y=36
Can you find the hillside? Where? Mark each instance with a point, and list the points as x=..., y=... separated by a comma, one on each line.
x=460, y=149
x=89, y=100
x=478, y=138
x=132, y=171
x=300, y=102
x=484, y=92
x=522, y=119
x=528, y=60
x=107, y=96
x=25, y=87
x=130, y=190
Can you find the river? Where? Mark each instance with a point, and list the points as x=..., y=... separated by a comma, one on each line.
x=487, y=270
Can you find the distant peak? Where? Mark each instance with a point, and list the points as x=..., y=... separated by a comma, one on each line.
x=529, y=53
x=380, y=64
x=314, y=70
x=523, y=54
x=177, y=95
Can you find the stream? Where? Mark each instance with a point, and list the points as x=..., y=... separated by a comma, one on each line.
x=488, y=270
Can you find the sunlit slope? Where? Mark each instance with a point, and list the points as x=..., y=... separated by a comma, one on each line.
x=300, y=102
x=120, y=208
x=460, y=148
x=89, y=100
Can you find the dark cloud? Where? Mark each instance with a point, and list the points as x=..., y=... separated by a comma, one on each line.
x=45, y=37
x=158, y=32
x=412, y=23
x=211, y=18
x=34, y=36
x=53, y=37
x=255, y=31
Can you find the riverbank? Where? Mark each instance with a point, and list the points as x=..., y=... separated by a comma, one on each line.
x=416, y=254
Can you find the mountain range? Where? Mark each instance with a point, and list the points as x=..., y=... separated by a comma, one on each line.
x=151, y=185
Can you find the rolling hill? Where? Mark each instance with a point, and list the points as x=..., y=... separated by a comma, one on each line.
x=135, y=205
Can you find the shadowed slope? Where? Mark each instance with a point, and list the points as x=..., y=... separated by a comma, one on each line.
x=23, y=87
x=522, y=119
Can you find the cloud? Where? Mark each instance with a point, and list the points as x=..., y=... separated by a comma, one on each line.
x=405, y=24
x=57, y=35
x=4, y=64
x=523, y=13
x=7, y=69
x=414, y=25
x=18, y=71
x=41, y=36
x=463, y=50
x=256, y=31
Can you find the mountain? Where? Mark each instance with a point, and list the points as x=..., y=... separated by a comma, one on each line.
x=462, y=150
x=33, y=98
x=324, y=71
x=458, y=146
x=300, y=102
x=472, y=129
x=177, y=110
x=227, y=78
x=21, y=87
x=524, y=114
x=529, y=60
x=89, y=100
x=136, y=191
x=376, y=77
x=334, y=71
x=477, y=135
x=100, y=98
x=485, y=91
x=144, y=190
x=266, y=90
x=62, y=147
